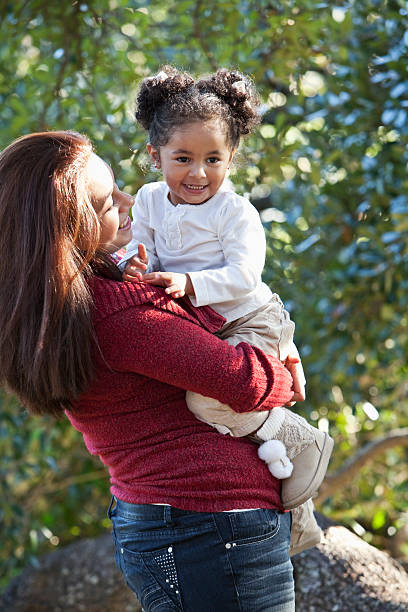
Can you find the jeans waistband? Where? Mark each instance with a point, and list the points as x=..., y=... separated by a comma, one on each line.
x=147, y=512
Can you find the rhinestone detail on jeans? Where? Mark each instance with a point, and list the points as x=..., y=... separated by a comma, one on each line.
x=167, y=565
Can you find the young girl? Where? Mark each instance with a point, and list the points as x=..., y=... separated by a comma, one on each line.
x=195, y=236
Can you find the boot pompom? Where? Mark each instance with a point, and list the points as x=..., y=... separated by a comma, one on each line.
x=273, y=452
x=281, y=469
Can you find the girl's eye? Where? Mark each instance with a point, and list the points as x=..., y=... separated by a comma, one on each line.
x=213, y=160
x=182, y=160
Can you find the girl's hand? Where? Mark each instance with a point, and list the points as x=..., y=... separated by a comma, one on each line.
x=176, y=284
x=294, y=365
x=137, y=265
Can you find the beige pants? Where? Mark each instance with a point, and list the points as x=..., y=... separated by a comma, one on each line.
x=268, y=328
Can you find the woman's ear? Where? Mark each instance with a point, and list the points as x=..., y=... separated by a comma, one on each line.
x=154, y=155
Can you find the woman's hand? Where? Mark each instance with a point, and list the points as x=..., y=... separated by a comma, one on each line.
x=176, y=284
x=294, y=365
x=137, y=265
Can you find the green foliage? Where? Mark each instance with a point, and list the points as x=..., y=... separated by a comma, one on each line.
x=49, y=486
x=328, y=168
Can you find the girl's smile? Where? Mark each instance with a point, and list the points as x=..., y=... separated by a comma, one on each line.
x=194, y=162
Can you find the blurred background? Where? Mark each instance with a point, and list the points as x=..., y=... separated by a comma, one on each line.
x=328, y=171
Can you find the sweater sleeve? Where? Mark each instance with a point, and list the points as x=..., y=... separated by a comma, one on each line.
x=163, y=346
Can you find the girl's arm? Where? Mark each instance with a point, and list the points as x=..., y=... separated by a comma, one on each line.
x=242, y=239
x=161, y=345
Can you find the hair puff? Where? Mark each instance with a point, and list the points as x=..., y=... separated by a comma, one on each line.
x=237, y=91
x=157, y=89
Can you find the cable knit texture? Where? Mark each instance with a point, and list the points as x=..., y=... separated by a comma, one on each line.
x=288, y=427
x=151, y=349
x=295, y=433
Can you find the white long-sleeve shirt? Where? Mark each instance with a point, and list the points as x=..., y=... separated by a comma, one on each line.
x=220, y=244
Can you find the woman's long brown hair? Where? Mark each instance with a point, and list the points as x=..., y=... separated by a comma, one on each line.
x=49, y=235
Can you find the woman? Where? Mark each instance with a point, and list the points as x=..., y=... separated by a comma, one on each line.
x=198, y=521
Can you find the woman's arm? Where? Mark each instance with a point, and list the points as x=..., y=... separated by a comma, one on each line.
x=166, y=347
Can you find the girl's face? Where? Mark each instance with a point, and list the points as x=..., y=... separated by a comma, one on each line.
x=111, y=205
x=194, y=161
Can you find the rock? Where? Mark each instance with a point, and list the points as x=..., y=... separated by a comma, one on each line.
x=81, y=577
x=345, y=574
x=342, y=574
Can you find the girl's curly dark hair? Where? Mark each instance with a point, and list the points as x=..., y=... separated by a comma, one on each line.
x=171, y=99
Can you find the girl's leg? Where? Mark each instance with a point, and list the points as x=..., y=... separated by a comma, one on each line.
x=305, y=530
x=308, y=448
x=222, y=417
x=268, y=328
x=195, y=562
x=299, y=447
x=294, y=450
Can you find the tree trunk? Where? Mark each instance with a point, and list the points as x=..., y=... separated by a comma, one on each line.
x=342, y=574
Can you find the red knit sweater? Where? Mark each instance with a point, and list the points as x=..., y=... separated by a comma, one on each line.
x=134, y=414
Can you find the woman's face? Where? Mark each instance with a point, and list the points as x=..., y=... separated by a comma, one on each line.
x=111, y=205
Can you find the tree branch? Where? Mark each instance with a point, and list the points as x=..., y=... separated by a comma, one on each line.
x=368, y=452
x=53, y=486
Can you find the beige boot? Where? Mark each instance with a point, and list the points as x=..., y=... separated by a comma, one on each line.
x=308, y=448
x=305, y=530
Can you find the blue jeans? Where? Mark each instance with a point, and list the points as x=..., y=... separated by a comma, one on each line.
x=204, y=562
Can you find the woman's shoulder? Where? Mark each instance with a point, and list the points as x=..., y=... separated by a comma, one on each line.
x=111, y=297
